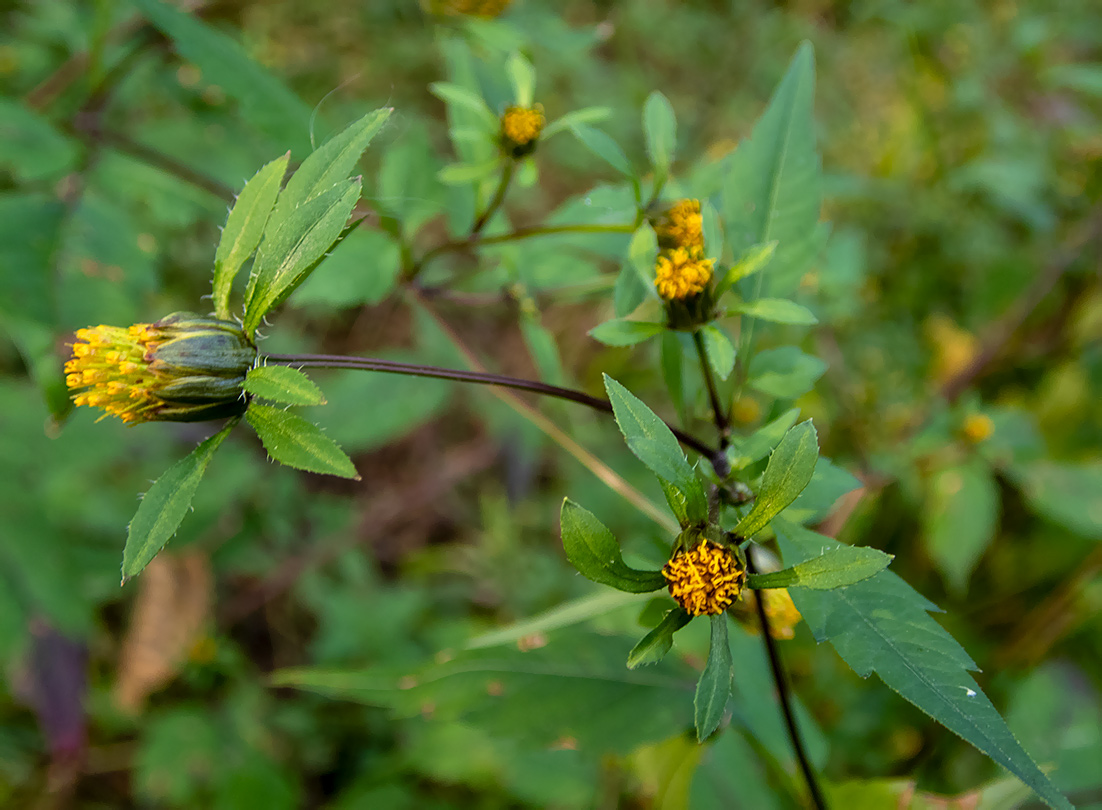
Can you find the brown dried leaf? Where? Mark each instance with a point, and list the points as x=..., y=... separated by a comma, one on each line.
x=173, y=604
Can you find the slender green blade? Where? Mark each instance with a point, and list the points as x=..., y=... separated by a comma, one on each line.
x=653, y=647
x=776, y=310
x=293, y=441
x=291, y=252
x=593, y=550
x=719, y=350
x=244, y=228
x=714, y=687
x=165, y=505
x=620, y=332
x=660, y=130
x=789, y=470
x=834, y=568
x=328, y=166
x=883, y=625
x=603, y=147
x=772, y=187
x=282, y=384
x=651, y=441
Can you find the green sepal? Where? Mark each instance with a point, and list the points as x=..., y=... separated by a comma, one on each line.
x=653, y=647
x=593, y=550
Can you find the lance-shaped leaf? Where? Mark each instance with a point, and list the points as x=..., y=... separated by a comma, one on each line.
x=328, y=166
x=660, y=129
x=654, y=444
x=718, y=348
x=165, y=505
x=753, y=259
x=603, y=147
x=773, y=185
x=593, y=550
x=282, y=384
x=293, y=441
x=776, y=310
x=789, y=470
x=883, y=625
x=653, y=647
x=714, y=687
x=620, y=332
x=291, y=252
x=243, y=230
x=834, y=568
x=523, y=78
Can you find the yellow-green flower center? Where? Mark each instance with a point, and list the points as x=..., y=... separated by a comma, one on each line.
x=522, y=125
x=706, y=579
x=681, y=273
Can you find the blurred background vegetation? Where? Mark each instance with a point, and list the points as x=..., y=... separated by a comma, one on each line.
x=962, y=361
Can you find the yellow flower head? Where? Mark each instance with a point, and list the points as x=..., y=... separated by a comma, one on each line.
x=977, y=428
x=706, y=579
x=779, y=607
x=183, y=368
x=682, y=226
x=521, y=126
x=681, y=273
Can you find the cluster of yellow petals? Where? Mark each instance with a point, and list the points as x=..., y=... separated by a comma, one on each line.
x=681, y=273
x=706, y=579
x=682, y=226
x=109, y=369
x=522, y=125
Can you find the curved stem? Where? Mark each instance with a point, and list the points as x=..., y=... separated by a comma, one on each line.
x=784, y=694
x=496, y=200
x=479, y=378
x=722, y=424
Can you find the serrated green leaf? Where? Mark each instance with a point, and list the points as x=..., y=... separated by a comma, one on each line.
x=464, y=99
x=834, y=568
x=1065, y=493
x=244, y=228
x=293, y=441
x=651, y=441
x=719, y=350
x=523, y=78
x=620, y=332
x=776, y=310
x=586, y=115
x=882, y=625
x=283, y=384
x=325, y=168
x=660, y=131
x=653, y=647
x=603, y=147
x=772, y=187
x=785, y=372
x=714, y=687
x=959, y=519
x=289, y=254
x=789, y=470
x=165, y=505
x=593, y=550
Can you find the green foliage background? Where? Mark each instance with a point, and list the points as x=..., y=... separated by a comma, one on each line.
x=960, y=147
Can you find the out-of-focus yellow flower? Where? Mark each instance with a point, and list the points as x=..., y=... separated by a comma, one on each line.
x=681, y=273
x=954, y=347
x=706, y=579
x=682, y=226
x=977, y=428
x=521, y=128
x=779, y=608
x=183, y=368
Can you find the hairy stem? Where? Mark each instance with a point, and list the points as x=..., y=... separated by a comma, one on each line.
x=479, y=378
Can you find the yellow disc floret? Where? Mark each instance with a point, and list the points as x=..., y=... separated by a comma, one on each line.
x=182, y=368
x=705, y=580
x=682, y=226
x=681, y=273
x=521, y=126
x=977, y=428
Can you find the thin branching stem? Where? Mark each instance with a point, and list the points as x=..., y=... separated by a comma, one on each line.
x=477, y=377
x=720, y=412
x=784, y=695
x=496, y=200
